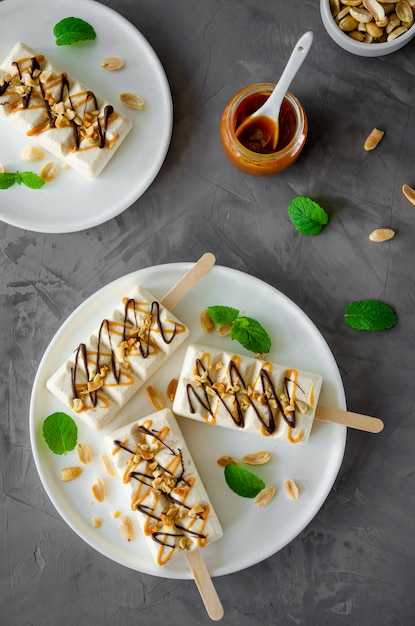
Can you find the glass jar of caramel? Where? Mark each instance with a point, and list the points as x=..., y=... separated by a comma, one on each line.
x=250, y=153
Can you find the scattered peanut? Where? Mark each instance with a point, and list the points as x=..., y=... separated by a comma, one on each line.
x=171, y=389
x=373, y=139
x=70, y=473
x=31, y=154
x=292, y=489
x=223, y=461
x=112, y=64
x=381, y=234
x=206, y=322
x=257, y=458
x=132, y=101
x=126, y=528
x=49, y=172
x=98, y=489
x=108, y=465
x=265, y=496
x=155, y=398
x=409, y=193
x=225, y=330
x=84, y=453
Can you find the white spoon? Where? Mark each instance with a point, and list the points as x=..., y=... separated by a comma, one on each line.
x=271, y=107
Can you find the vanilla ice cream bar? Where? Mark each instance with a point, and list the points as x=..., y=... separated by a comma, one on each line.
x=65, y=117
x=164, y=488
x=104, y=372
x=248, y=394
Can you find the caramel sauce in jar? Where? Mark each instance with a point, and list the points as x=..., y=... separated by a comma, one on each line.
x=251, y=153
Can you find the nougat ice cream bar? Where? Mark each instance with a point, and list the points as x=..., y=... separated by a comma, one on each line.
x=129, y=345
x=65, y=117
x=163, y=486
x=247, y=394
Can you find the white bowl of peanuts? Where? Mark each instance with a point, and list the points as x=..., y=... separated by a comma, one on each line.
x=369, y=28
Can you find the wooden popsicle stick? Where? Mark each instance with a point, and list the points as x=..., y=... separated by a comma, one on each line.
x=205, y=585
x=347, y=418
x=189, y=280
x=194, y=559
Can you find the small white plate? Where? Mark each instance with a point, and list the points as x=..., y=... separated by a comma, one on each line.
x=72, y=202
x=250, y=534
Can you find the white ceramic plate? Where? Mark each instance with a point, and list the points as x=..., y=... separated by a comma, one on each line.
x=72, y=202
x=250, y=534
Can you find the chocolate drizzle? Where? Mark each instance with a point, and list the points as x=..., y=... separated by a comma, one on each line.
x=147, y=477
x=91, y=110
x=34, y=65
x=138, y=346
x=236, y=390
x=156, y=535
x=4, y=87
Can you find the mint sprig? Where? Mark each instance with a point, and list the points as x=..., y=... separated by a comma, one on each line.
x=243, y=482
x=222, y=315
x=251, y=335
x=71, y=30
x=60, y=433
x=30, y=179
x=370, y=315
x=246, y=330
x=307, y=216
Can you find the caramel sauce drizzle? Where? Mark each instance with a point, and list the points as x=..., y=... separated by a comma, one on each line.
x=81, y=103
x=234, y=383
x=168, y=541
x=88, y=362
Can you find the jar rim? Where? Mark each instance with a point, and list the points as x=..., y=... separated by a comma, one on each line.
x=258, y=88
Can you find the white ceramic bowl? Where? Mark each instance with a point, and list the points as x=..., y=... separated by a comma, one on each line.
x=358, y=47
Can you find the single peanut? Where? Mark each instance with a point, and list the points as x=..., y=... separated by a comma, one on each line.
x=373, y=139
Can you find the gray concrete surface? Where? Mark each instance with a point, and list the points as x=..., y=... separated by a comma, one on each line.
x=355, y=562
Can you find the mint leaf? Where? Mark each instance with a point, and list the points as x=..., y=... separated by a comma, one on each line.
x=370, y=315
x=7, y=179
x=60, y=433
x=307, y=216
x=222, y=315
x=71, y=30
x=242, y=482
x=31, y=180
x=251, y=335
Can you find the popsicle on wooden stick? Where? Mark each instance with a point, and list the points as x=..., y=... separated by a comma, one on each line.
x=164, y=488
x=63, y=115
x=128, y=346
x=247, y=394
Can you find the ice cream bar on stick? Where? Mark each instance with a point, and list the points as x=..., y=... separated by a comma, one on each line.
x=248, y=394
x=128, y=346
x=166, y=494
x=59, y=112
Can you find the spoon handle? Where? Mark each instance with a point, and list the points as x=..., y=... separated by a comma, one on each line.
x=294, y=63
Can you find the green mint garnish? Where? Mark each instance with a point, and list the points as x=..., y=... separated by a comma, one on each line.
x=242, y=482
x=7, y=179
x=307, y=216
x=60, y=433
x=71, y=30
x=222, y=315
x=370, y=315
x=30, y=180
x=251, y=335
